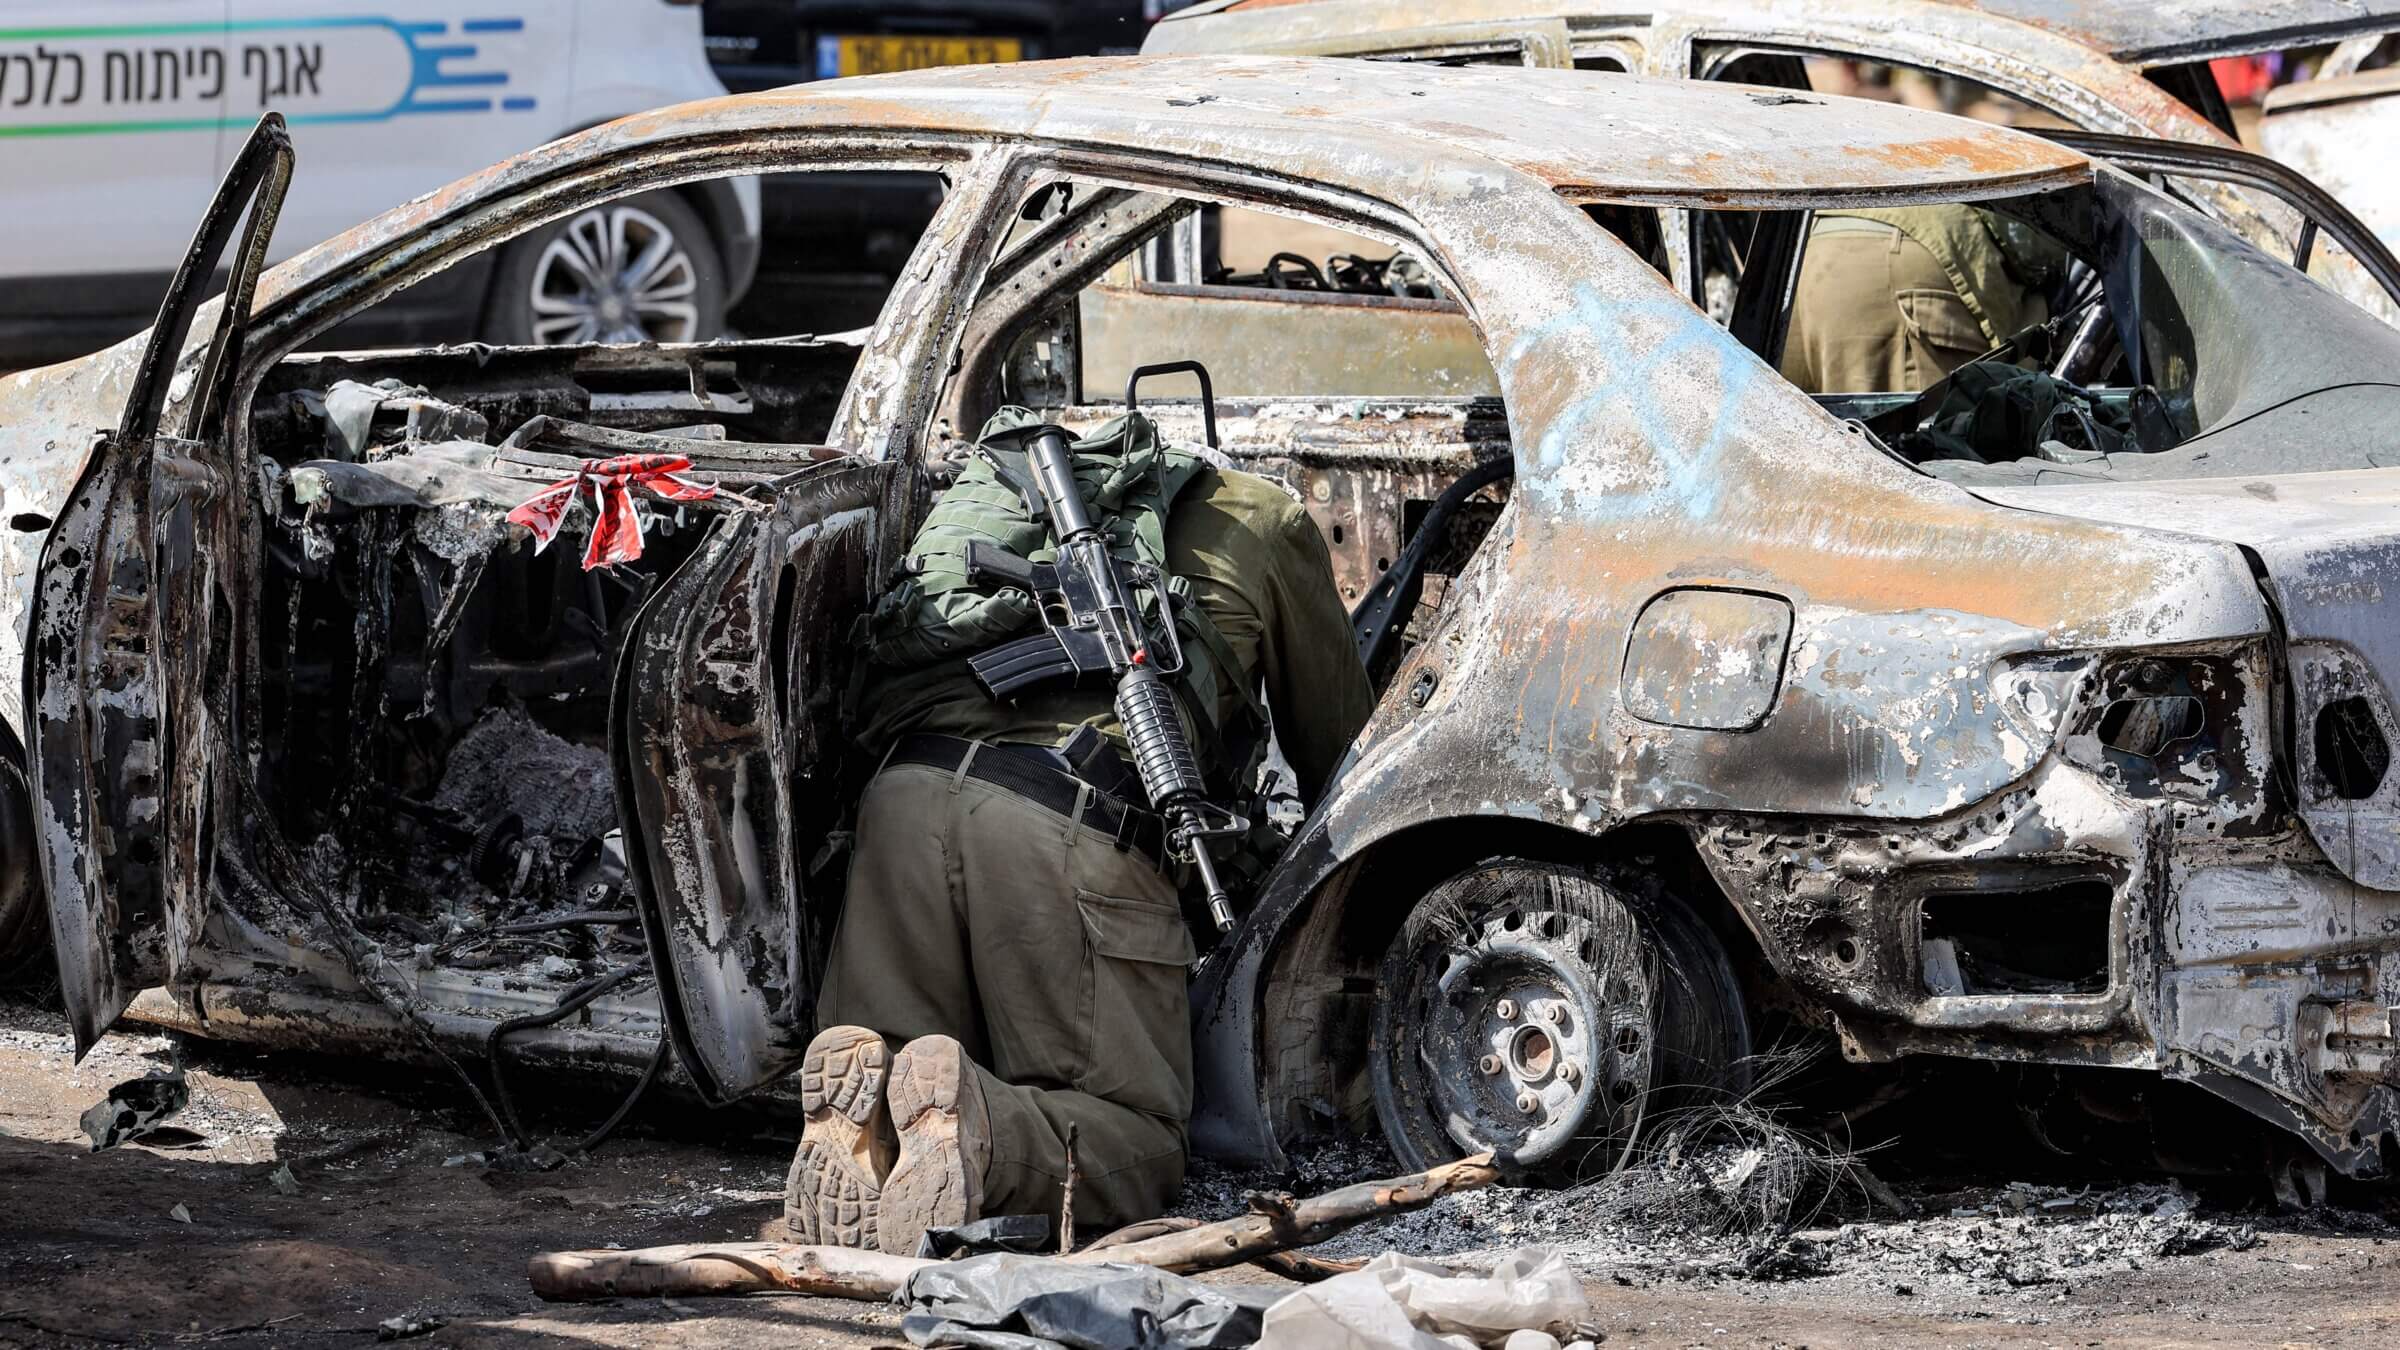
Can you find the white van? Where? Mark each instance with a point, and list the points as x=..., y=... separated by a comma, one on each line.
x=117, y=118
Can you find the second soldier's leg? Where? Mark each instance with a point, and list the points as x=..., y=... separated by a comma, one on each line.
x=899, y=961
x=898, y=969
x=1079, y=955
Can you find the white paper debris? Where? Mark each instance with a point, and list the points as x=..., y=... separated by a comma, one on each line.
x=1531, y=1301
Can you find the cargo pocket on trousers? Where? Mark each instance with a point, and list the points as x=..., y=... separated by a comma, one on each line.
x=1139, y=1038
x=1946, y=335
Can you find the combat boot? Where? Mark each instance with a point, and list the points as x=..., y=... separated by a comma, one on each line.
x=846, y=1148
x=937, y=1103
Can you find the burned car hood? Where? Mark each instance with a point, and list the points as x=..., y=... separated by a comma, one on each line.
x=2328, y=548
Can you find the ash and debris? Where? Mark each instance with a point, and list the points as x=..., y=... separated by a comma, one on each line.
x=507, y=767
x=1747, y=1209
x=509, y=764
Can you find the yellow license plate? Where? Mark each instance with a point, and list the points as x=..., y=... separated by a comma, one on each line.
x=839, y=56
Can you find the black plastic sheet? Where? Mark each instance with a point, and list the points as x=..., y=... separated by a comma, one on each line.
x=1027, y=1234
x=1011, y=1302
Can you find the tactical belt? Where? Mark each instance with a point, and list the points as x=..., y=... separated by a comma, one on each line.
x=1039, y=776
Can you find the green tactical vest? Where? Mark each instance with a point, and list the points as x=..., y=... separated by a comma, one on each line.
x=1129, y=482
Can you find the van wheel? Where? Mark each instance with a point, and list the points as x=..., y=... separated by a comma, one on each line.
x=642, y=269
x=1546, y=1015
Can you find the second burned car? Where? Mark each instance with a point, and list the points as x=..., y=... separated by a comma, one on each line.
x=2057, y=738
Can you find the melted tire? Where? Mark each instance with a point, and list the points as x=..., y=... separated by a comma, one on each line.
x=1508, y=973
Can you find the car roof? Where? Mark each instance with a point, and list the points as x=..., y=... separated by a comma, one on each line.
x=1368, y=126
x=2155, y=32
x=1409, y=134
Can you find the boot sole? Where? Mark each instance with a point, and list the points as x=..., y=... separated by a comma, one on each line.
x=931, y=1186
x=829, y=1199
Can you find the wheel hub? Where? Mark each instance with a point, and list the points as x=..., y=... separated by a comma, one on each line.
x=1538, y=1038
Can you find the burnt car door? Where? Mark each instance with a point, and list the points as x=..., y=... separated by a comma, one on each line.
x=133, y=631
x=729, y=755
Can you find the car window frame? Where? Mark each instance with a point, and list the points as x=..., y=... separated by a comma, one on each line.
x=2321, y=212
x=1026, y=166
x=372, y=274
x=1536, y=43
x=1543, y=43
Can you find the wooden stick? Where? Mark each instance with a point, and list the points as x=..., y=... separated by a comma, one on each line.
x=1298, y=1267
x=1280, y=1224
x=702, y=1269
x=1275, y=1224
x=1066, y=1197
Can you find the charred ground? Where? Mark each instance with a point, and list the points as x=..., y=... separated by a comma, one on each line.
x=383, y=1221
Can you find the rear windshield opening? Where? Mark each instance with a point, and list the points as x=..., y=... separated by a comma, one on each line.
x=2105, y=332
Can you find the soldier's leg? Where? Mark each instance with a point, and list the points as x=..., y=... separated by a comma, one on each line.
x=1942, y=332
x=1873, y=312
x=900, y=962
x=1846, y=333
x=898, y=969
x=1079, y=956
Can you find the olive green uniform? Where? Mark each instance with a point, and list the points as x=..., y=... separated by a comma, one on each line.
x=1890, y=300
x=1057, y=959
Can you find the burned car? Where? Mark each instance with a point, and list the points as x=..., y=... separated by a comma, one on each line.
x=2127, y=70
x=1944, y=730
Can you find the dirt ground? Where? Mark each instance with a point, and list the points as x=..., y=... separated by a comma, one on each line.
x=375, y=1221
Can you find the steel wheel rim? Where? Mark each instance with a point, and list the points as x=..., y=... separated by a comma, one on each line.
x=614, y=274
x=1538, y=1008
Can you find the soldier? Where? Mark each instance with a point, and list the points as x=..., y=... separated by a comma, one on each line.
x=1011, y=958
x=1890, y=300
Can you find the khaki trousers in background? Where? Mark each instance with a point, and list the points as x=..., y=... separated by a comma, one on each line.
x=1875, y=313
x=1058, y=961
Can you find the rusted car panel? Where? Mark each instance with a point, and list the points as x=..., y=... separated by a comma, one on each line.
x=2048, y=67
x=2150, y=35
x=726, y=731
x=2324, y=542
x=1979, y=706
x=125, y=633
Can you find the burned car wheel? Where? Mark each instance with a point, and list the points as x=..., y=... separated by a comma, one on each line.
x=1544, y=1014
x=640, y=270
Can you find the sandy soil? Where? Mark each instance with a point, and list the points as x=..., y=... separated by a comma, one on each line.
x=372, y=1225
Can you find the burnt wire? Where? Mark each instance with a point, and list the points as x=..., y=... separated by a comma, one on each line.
x=658, y=1061
x=2282, y=404
x=365, y=959
x=575, y=1001
x=598, y=916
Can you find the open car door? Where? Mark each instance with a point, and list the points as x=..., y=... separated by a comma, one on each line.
x=132, y=633
x=729, y=753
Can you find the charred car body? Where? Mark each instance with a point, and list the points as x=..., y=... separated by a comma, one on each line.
x=2127, y=70
x=1700, y=692
x=2123, y=69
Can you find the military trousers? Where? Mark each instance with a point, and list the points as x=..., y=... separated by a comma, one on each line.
x=1874, y=312
x=1056, y=959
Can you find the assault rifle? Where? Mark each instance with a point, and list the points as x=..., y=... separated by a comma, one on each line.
x=1092, y=628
